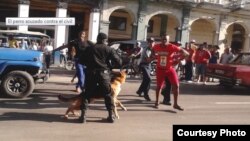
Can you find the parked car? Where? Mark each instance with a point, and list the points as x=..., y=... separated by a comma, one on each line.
x=237, y=72
x=19, y=70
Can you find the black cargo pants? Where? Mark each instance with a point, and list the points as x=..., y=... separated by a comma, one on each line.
x=98, y=83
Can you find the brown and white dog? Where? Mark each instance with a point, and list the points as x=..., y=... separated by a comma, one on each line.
x=117, y=79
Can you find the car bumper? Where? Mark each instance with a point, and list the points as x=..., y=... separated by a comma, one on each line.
x=43, y=74
x=230, y=80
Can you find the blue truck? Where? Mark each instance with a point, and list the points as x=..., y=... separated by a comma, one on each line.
x=19, y=70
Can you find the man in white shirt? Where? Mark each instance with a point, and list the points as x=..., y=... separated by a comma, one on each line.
x=47, y=51
x=226, y=56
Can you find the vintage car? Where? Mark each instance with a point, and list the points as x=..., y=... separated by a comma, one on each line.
x=19, y=68
x=237, y=72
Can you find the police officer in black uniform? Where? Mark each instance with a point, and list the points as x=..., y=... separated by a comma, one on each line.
x=97, y=74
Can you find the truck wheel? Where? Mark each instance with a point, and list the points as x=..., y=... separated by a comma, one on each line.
x=17, y=84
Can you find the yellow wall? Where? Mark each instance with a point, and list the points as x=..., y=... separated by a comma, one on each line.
x=202, y=31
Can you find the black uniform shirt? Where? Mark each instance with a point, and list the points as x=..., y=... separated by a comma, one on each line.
x=99, y=56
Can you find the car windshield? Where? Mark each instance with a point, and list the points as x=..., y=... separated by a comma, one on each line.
x=27, y=37
x=242, y=59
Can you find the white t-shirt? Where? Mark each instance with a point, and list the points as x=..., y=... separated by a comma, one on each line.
x=64, y=51
x=34, y=47
x=225, y=58
x=48, y=49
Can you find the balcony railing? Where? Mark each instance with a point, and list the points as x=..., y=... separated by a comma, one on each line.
x=196, y=1
x=230, y=4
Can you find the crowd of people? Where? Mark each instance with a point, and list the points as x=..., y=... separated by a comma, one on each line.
x=93, y=68
x=12, y=42
x=200, y=56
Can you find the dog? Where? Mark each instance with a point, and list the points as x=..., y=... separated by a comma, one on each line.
x=117, y=79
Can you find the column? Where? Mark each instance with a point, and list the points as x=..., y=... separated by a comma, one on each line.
x=246, y=47
x=60, y=31
x=177, y=34
x=222, y=38
x=94, y=22
x=142, y=24
x=134, y=31
x=23, y=11
x=185, y=26
x=164, y=23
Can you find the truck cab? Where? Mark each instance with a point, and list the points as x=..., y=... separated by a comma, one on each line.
x=20, y=68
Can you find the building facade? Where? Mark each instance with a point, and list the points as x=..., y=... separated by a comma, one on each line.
x=217, y=22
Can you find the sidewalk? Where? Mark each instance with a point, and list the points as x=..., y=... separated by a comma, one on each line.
x=60, y=74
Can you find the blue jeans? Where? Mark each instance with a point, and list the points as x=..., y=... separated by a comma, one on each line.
x=80, y=73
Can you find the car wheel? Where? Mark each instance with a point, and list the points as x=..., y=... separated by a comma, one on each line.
x=17, y=84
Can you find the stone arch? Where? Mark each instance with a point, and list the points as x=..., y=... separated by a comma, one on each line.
x=171, y=25
x=236, y=36
x=237, y=22
x=148, y=17
x=208, y=28
x=113, y=9
x=125, y=14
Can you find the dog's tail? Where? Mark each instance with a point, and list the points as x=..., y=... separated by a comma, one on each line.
x=68, y=99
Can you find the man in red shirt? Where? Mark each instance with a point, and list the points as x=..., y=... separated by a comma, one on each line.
x=201, y=59
x=164, y=53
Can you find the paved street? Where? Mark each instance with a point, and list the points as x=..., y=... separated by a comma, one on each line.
x=38, y=117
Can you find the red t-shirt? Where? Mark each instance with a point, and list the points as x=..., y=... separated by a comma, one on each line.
x=202, y=56
x=164, y=55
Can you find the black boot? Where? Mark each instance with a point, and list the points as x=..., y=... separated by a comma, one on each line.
x=147, y=97
x=82, y=118
x=84, y=106
x=111, y=117
x=166, y=101
x=110, y=106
